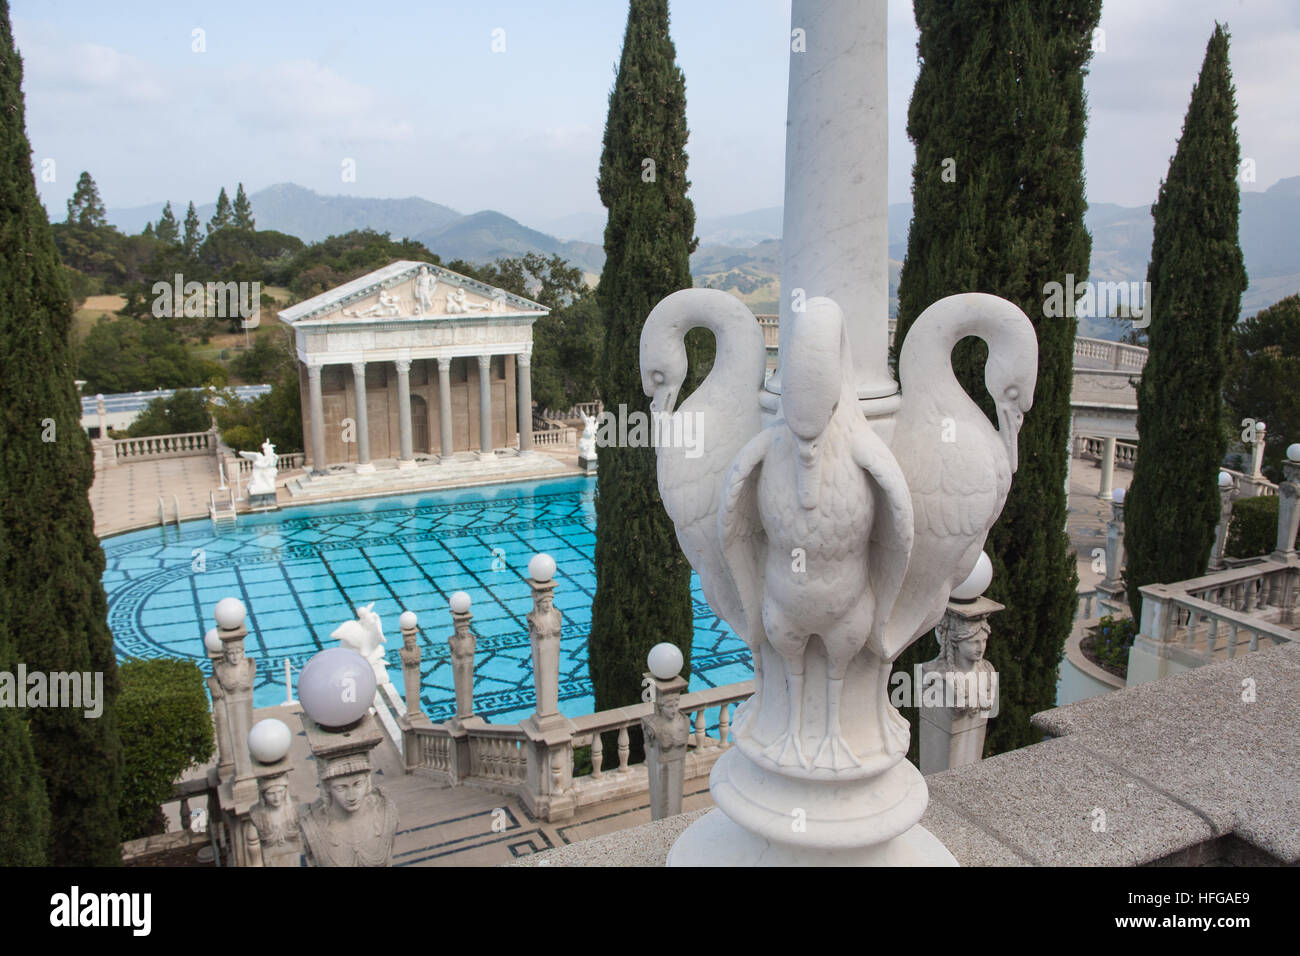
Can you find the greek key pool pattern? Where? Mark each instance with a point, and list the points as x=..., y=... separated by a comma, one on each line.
x=302, y=571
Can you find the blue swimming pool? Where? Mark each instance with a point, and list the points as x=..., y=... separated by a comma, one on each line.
x=302, y=571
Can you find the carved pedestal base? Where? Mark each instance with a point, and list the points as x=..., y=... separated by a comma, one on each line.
x=769, y=819
x=588, y=464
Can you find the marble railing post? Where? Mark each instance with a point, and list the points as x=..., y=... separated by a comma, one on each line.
x=411, y=656
x=225, y=753
x=314, y=397
x=524, y=390
x=1227, y=492
x=234, y=675
x=549, y=733
x=485, y=406
x=666, y=733
x=405, y=456
x=1288, y=505
x=1107, y=468
x=446, y=449
x=957, y=692
x=463, y=644
x=1257, y=450
x=1112, y=584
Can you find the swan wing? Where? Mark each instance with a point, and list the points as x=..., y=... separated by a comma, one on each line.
x=740, y=533
x=893, y=525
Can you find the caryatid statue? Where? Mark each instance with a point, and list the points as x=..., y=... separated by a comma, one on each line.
x=353, y=823
x=274, y=821
x=545, y=622
x=829, y=550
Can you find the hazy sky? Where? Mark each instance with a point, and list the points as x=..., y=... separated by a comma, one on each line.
x=416, y=96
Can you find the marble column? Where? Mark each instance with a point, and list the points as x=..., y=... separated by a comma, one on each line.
x=444, y=408
x=362, y=419
x=524, y=392
x=485, y=407
x=1107, y=468
x=318, y=464
x=405, y=457
x=836, y=227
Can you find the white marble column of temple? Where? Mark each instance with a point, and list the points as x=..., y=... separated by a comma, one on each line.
x=524, y=390
x=405, y=456
x=1107, y=468
x=318, y=463
x=485, y=406
x=836, y=229
x=447, y=450
x=363, y=419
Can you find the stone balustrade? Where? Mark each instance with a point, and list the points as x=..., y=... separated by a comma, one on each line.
x=164, y=446
x=293, y=461
x=1094, y=448
x=556, y=437
x=1197, y=622
x=1100, y=353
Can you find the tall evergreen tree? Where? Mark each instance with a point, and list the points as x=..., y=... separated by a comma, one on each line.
x=222, y=216
x=85, y=208
x=642, y=578
x=53, y=614
x=998, y=120
x=1196, y=278
x=192, y=239
x=243, y=210
x=168, y=230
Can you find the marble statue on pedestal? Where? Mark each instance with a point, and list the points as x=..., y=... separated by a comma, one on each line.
x=965, y=677
x=587, y=441
x=365, y=635
x=425, y=284
x=265, y=465
x=666, y=732
x=233, y=675
x=829, y=550
x=545, y=623
x=353, y=823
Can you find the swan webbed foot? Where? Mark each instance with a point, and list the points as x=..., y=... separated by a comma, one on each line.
x=787, y=750
x=835, y=754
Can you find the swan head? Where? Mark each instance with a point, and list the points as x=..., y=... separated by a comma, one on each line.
x=812, y=385
x=663, y=370
x=1011, y=380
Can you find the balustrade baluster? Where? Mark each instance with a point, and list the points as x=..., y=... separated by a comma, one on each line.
x=700, y=736
x=1254, y=640
x=1191, y=628
x=597, y=755
x=624, y=750
x=724, y=724
x=1212, y=635
x=1232, y=637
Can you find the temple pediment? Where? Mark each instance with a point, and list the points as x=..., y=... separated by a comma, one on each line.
x=409, y=291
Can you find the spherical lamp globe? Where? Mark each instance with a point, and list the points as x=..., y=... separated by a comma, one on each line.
x=665, y=661
x=269, y=740
x=976, y=581
x=336, y=687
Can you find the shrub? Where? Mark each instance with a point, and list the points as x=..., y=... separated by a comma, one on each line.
x=165, y=728
x=1109, y=642
x=1252, y=529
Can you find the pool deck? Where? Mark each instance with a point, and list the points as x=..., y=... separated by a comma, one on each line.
x=125, y=497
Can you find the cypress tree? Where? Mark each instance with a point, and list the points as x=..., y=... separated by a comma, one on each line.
x=243, y=210
x=642, y=578
x=998, y=120
x=51, y=564
x=192, y=239
x=1196, y=278
x=168, y=230
x=222, y=216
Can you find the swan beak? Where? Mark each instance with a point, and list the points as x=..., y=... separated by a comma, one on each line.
x=1011, y=419
x=662, y=402
x=808, y=472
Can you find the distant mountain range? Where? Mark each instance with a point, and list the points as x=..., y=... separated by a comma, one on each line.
x=742, y=252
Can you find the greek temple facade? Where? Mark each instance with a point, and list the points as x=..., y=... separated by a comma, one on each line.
x=413, y=361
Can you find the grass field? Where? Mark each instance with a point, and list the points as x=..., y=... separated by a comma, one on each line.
x=92, y=310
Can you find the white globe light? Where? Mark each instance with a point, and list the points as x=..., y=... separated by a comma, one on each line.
x=1117, y=496
x=460, y=602
x=665, y=661
x=976, y=581
x=1260, y=426
x=1225, y=480
x=269, y=740
x=336, y=687
x=408, y=621
x=212, y=641
x=229, y=613
x=1293, y=451
x=541, y=568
